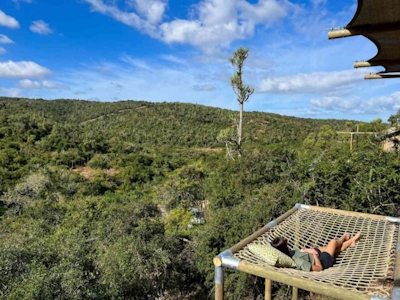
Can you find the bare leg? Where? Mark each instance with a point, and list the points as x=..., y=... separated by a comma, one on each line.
x=334, y=246
x=351, y=242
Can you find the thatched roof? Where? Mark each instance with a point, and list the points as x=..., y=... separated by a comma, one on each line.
x=379, y=21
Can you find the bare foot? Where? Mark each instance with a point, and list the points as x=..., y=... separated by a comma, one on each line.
x=355, y=238
x=347, y=236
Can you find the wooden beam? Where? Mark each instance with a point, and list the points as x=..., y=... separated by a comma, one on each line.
x=335, y=34
x=382, y=76
x=261, y=231
x=363, y=30
x=348, y=213
x=365, y=64
x=350, y=132
x=302, y=283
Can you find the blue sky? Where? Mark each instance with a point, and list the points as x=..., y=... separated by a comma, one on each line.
x=178, y=50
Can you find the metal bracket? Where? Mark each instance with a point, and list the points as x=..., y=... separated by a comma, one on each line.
x=219, y=275
x=393, y=219
x=228, y=261
x=304, y=206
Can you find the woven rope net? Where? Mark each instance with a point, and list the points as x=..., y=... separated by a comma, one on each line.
x=367, y=268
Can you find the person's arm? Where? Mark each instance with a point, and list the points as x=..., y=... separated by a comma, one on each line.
x=317, y=266
x=309, y=251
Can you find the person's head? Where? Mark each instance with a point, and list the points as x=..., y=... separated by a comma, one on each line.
x=280, y=243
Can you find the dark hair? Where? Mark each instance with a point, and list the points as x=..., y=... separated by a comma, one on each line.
x=280, y=243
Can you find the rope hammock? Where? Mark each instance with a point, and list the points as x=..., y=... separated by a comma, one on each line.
x=366, y=271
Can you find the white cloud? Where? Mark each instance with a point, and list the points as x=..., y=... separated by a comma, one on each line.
x=220, y=22
x=204, y=88
x=29, y=84
x=137, y=63
x=151, y=10
x=10, y=92
x=2, y=50
x=215, y=23
x=40, y=27
x=21, y=69
x=356, y=105
x=8, y=21
x=311, y=83
x=5, y=39
x=128, y=18
x=173, y=59
x=52, y=85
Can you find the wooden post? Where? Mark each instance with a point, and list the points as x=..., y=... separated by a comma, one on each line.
x=219, y=283
x=268, y=289
x=295, y=294
x=352, y=134
x=358, y=130
x=351, y=141
x=396, y=282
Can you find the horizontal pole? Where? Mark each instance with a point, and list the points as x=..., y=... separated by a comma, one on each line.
x=363, y=30
x=345, y=132
x=260, y=232
x=363, y=64
x=336, y=34
x=381, y=76
x=373, y=63
x=348, y=213
x=302, y=283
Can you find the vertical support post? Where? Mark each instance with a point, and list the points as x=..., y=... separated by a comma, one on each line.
x=351, y=141
x=358, y=130
x=219, y=283
x=268, y=289
x=396, y=288
x=295, y=294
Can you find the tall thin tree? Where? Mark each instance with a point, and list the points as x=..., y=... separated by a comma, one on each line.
x=242, y=91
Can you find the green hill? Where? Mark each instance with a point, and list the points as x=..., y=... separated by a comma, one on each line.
x=132, y=199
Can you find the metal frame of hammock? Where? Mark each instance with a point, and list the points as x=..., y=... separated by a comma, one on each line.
x=370, y=270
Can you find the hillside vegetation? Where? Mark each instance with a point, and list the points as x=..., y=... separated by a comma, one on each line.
x=132, y=199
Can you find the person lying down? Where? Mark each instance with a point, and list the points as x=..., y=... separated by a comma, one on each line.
x=316, y=259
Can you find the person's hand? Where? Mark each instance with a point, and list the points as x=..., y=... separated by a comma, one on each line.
x=311, y=251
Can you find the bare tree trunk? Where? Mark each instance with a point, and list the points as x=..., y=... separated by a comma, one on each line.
x=240, y=130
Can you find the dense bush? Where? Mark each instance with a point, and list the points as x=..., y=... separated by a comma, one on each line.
x=132, y=200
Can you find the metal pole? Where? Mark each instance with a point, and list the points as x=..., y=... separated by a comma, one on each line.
x=219, y=283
